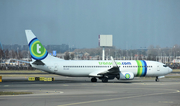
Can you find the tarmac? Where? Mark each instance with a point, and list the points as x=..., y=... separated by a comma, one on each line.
x=77, y=91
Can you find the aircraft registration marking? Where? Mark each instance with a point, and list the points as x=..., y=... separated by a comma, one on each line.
x=66, y=68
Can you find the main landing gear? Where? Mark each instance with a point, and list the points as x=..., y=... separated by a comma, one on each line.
x=157, y=79
x=93, y=79
x=104, y=79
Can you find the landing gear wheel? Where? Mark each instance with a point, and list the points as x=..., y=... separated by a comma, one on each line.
x=93, y=79
x=104, y=79
x=157, y=79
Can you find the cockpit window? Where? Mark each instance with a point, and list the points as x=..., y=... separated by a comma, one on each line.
x=164, y=65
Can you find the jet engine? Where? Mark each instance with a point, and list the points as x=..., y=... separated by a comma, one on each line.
x=125, y=76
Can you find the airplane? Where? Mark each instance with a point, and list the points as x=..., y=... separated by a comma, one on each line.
x=103, y=69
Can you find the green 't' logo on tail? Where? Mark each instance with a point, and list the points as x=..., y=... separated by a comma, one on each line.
x=38, y=52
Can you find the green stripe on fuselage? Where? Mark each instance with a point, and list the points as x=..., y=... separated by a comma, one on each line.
x=139, y=71
x=138, y=68
x=141, y=68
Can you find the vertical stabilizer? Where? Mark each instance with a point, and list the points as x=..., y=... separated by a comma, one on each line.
x=37, y=50
x=29, y=35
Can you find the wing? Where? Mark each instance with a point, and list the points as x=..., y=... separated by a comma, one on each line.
x=111, y=71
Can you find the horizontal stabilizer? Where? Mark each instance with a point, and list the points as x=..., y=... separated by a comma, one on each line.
x=20, y=60
x=38, y=62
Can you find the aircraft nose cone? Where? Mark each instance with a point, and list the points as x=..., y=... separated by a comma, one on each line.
x=170, y=70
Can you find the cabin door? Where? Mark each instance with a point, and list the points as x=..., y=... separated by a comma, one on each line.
x=158, y=68
x=55, y=67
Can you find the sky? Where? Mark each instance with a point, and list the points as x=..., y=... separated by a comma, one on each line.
x=134, y=24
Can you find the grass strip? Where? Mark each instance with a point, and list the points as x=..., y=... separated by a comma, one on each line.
x=176, y=70
x=14, y=93
x=21, y=71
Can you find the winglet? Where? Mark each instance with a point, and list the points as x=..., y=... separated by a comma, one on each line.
x=113, y=62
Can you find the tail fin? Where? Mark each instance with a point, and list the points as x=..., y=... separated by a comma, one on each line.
x=37, y=50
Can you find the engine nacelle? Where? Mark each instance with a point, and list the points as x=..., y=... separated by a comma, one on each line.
x=126, y=76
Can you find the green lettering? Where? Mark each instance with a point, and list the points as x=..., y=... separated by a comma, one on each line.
x=108, y=63
x=100, y=63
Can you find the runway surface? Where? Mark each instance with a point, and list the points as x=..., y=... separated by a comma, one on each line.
x=69, y=91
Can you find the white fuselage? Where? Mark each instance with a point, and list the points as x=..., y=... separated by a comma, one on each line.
x=83, y=68
x=104, y=70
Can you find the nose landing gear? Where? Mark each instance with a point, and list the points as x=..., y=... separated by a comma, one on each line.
x=157, y=79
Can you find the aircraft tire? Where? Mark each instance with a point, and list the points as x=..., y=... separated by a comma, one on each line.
x=104, y=79
x=93, y=79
